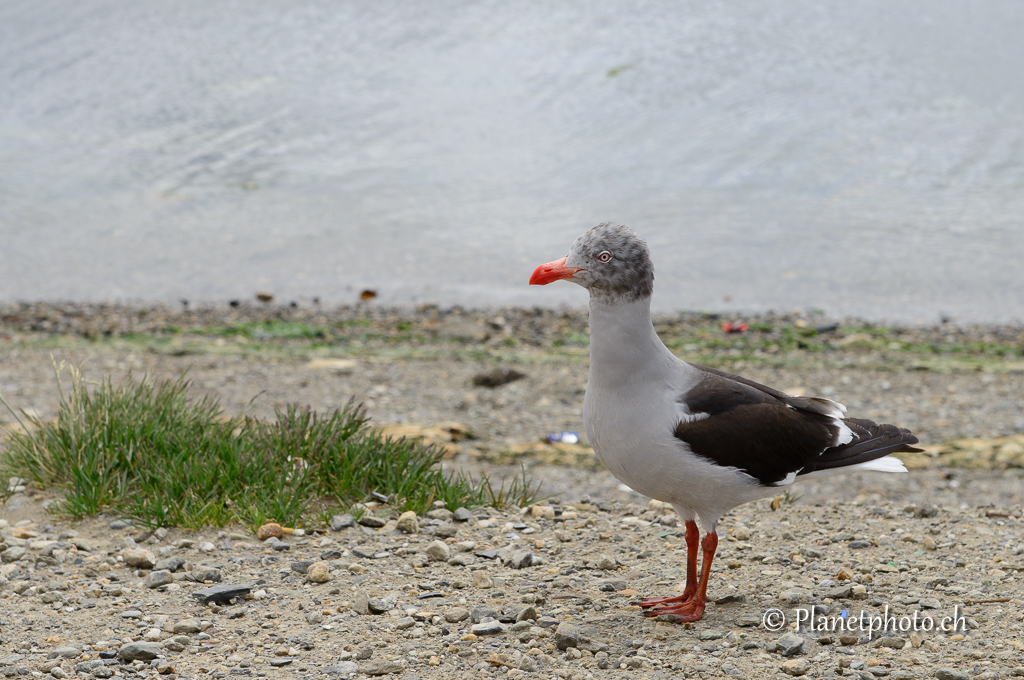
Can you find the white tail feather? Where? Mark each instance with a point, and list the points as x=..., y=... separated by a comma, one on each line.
x=885, y=464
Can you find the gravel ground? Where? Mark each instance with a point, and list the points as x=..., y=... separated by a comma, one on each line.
x=931, y=541
x=542, y=592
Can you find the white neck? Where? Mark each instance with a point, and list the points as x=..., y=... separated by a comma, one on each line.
x=623, y=344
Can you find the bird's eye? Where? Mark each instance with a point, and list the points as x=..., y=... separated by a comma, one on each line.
x=604, y=257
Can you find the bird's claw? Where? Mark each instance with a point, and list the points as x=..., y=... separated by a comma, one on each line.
x=650, y=602
x=686, y=613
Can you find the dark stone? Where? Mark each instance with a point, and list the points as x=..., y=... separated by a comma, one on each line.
x=339, y=522
x=301, y=566
x=371, y=521
x=462, y=515
x=139, y=651
x=159, y=578
x=487, y=554
x=789, y=644
x=87, y=666
x=443, y=530
x=858, y=545
x=433, y=593
x=497, y=377
x=221, y=593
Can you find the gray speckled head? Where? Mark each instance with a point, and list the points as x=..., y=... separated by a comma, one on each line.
x=615, y=261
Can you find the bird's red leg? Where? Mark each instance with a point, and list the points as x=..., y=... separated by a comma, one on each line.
x=693, y=610
x=692, y=538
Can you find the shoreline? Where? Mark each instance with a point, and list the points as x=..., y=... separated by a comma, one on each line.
x=420, y=367
x=119, y=317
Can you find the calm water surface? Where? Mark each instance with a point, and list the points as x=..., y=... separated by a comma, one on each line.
x=864, y=158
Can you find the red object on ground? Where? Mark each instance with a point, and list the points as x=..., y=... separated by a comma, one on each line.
x=729, y=327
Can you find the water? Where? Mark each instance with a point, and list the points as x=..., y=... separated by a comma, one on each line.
x=863, y=158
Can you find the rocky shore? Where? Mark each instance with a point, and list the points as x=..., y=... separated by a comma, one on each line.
x=543, y=591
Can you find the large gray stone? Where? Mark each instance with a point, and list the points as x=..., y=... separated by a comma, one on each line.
x=840, y=592
x=438, y=551
x=789, y=644
x=203, y=574
x=139, y=651
x=793, y=596
x=339, y=522
x=487, y=628
x=521, y=559
x=382, y=667
x=361, y=603
x=443, y=514
x=378, y=606
x=483, y=611
x=171, y=564
x=456, y=614
x=137, y=557
x=949, y=674
x=187, y=627
x=371, y=521
x=566, y=635
x=155, y=579
x=341, y=668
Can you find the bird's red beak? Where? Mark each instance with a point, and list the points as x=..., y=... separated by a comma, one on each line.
x=553, y=271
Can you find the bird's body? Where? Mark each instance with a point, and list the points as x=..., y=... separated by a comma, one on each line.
x=703, y=440
x=633, y=392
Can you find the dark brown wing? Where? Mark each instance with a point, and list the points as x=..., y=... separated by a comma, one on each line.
x=769, y=434
x=871, y=441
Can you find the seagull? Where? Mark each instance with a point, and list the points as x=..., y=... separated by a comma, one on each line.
x=700, y=439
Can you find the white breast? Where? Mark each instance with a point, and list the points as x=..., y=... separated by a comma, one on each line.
x=631, y=410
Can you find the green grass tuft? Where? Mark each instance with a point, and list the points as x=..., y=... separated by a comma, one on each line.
x=148, y=451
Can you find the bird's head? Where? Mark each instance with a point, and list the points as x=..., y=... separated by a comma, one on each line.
x=611, y=261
